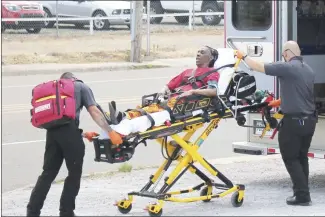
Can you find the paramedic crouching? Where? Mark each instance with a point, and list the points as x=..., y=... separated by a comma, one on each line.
x=66, y=143
x=299, y=122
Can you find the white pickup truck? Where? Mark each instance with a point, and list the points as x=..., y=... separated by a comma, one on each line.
x=161, y=7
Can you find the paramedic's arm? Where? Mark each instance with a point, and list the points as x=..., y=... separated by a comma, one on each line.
x=99, y=118
x=89, y=102
x=272, y=69
x=254, y=65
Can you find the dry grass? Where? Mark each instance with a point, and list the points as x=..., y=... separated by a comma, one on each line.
x=102, y=47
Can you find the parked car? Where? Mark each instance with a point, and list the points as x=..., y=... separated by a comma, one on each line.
x=163, y=6
x=88, y=8
x=22, y=9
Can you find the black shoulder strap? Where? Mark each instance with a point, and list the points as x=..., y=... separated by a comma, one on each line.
x=199, y=78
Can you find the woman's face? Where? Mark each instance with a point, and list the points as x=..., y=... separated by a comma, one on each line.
x=203, y=57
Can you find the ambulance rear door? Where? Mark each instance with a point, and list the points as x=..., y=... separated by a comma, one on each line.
x=252, y=26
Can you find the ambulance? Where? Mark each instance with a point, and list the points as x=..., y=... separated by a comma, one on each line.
x=260, y=28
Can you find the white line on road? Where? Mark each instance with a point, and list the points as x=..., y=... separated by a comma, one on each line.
x=99, y=100
x=101, y=81
x=14, y=109
x=23, y=142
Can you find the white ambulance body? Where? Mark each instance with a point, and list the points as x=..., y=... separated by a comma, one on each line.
x=260, y=28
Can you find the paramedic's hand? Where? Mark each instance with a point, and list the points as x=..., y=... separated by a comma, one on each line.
x=240, y=54
x=90, y=135
x=275, y=103
x=115, y=138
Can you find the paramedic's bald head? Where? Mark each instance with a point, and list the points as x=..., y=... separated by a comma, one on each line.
x=290, y=50
x=68, y=75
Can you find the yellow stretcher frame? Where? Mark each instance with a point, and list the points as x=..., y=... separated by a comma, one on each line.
x=278, y=116
x=185, y=162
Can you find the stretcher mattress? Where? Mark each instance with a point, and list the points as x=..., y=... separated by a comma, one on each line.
x=141, y=124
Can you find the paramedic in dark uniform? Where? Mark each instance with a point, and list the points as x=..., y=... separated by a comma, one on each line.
x=66, y=143
x=297, y=104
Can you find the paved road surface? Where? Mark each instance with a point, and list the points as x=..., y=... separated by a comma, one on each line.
x=22, y=150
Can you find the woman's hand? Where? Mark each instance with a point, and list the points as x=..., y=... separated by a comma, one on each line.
x=187, y=93
x=165, y=91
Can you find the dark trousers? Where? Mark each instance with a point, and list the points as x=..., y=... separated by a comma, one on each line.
x=62, y=143
x=295, y=136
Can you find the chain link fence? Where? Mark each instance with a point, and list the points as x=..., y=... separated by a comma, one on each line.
x=102, y=38
x=180, y=33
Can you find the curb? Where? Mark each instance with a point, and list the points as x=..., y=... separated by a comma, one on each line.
x=54, y=68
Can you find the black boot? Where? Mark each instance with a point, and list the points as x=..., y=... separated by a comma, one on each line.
x=32, y=214
x=112, y=112
x=113, y=103
x=67, y=214
x=299, y=199
x=114, y=115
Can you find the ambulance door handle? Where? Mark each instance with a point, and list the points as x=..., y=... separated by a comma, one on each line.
x=254, y=50
x=230, y=43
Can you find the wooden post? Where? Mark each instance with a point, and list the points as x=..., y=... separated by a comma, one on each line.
x=136, y=31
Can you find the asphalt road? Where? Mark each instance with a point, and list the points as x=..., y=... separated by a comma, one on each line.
x=23, y=145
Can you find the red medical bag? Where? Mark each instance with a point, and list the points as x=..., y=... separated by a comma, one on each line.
x=53, y=104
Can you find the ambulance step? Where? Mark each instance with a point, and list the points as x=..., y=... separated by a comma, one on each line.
x=264, y=149
x=313, y=153
x=251, y=148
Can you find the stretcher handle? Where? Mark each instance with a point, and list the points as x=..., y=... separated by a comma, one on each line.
x=154, y=100
x=230, y=43
x=253, y=107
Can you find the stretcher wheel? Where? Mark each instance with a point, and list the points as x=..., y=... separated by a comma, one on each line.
x=154, y=210
x=234, y=200
x=125, y=210
x=204, y=192
x=152, y=214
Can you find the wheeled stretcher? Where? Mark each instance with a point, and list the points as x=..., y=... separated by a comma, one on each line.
x=182, y=149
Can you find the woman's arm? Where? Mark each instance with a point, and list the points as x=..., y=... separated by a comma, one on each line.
x=205, y=92
x=176, y=81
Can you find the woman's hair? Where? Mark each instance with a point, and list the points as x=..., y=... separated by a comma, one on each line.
x=214, y=54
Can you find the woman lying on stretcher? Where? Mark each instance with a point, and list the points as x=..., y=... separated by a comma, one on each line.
x=180, y=85
x=125, y=123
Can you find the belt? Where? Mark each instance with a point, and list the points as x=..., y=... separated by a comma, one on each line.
x=299, y=115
